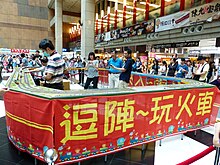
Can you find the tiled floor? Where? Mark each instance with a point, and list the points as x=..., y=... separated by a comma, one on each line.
x=173, y=150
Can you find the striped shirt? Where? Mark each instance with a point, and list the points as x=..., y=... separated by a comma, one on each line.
x=56, y=67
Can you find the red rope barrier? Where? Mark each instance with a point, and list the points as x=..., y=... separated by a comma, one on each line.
x=198, y=156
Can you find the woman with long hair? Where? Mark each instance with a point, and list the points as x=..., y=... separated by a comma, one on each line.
x=92, y=71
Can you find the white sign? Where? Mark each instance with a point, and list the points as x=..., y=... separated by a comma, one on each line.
x=172, y=21
x=108, y=36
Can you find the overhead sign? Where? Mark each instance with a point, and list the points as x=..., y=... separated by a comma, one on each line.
x=194, y=52
x=205, y=13
x=172, y=21
x=177, y=45
x=20, y=50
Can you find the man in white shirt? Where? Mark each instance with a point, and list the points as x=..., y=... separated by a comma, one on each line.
x=203, y=69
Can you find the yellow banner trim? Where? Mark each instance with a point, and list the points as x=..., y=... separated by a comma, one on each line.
x=29, y=123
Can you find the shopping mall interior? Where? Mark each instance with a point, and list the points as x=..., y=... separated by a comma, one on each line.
x=152, y=118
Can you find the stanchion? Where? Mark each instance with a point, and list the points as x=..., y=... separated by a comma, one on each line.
x=217, y=156
x=195, y=133
x=160, y=142
x=181, y=136
x=106, y=158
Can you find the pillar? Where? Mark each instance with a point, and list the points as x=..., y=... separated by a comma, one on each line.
x=182, y=5
x=162, y=8
x=88, y=21
x=134, y=11
x=59, y=26
x=147, y=10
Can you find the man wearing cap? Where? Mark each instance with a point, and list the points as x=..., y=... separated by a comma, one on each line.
x=114, y=74
x=203, y=69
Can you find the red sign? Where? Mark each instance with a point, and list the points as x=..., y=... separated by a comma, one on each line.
x=94, y=126
x=20, y=51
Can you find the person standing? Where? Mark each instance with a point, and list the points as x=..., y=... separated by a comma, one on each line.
x=93, y=74
x=113, y=77
x=55, y=68
x=24, y=61
x=172, y=67
x=182, y=69
x=155, y=67
x=203, y=69
x=125, y=75
x=79, y=65
x=137, y=66
x=190, y=70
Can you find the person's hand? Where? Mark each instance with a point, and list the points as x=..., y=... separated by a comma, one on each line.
x=112, y=66
x=2, y=91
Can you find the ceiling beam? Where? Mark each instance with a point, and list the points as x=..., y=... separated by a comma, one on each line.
x=70, y=13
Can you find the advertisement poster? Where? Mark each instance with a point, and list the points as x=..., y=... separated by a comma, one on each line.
x=172, y=21
x=205, y=13
x=138, y=29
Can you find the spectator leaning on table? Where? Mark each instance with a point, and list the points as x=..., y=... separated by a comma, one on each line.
x=55, y=68
x=125, y=75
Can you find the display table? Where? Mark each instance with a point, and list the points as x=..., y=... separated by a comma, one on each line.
x=83, y=124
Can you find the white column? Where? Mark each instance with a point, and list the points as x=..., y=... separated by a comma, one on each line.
x=59, y=26
x=88, y=27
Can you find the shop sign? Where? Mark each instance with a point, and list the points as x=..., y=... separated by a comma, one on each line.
x=177, y=45
x=99, y=38
x=115, y=34
x=205, y=13
x=107, y=36
x=194, y=51
x=138, y=29
x=20, y=51
x=135, y=30
x=172, y=21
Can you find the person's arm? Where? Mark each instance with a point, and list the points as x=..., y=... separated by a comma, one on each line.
x=48, y=76
x=127, y=63
x=96, y=65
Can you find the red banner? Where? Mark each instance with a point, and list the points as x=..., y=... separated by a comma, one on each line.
x=95, y=126
x=29, y=122
x=87, y=127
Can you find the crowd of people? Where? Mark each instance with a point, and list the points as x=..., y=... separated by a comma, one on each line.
x=199, y=70
x=51, y=67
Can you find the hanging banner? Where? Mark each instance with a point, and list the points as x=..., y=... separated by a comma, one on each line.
x=138, y=29
x=172, y=21
x=29, y=123
x=95, y=126
x=205, y=13
x=82, y=128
